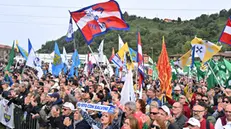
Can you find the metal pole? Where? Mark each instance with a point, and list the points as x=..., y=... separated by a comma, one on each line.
x=74, y=43
x=152, y=52
x=99, y=67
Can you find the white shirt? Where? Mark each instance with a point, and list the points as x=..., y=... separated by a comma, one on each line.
x=218, y=124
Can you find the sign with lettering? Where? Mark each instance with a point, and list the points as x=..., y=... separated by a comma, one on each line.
x=96, y=107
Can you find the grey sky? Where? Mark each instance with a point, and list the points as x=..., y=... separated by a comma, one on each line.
x=45, y=20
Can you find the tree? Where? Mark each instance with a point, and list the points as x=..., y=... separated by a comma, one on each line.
x=179, y=20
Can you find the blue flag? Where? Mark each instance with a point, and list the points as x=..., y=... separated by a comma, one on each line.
x=57, y=61
x=22, y=52
x=70, y=32
x=133, y=54
x=29, y=46
x=75, y=64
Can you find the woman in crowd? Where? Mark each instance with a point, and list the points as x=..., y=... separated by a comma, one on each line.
x=140, y=105
x=131, y=123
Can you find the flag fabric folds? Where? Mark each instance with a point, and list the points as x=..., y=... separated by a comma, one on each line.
x=117, y=61
x=133, y=54
x=164, y=71
x=100, y=50
x=11, y=58
x=70, y=32
x=187, y=59
x=121, y=43
x=29, y=46
x=226, y=33
x=75, y=63
x=140, y=64
x=112, y=54
x=123, y=50
x=34, y=62
x=127, y=93
x=22, y=52
x=96, y=19
x=204, y=49
x=57, y=61
x=65, y=61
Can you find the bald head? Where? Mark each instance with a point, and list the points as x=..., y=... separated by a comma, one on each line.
x=228, y=112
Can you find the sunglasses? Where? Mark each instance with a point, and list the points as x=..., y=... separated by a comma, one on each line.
x=205, y=100
x=155, y=126
x=226, y=101
x=154, y=113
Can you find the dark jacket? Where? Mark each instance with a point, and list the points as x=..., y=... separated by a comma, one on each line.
x=57, y=122
x=82, y=125
x=179, y=123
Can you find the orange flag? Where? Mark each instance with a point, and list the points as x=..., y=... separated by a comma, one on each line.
x=164, y=71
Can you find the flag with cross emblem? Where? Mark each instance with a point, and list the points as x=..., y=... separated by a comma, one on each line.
x=204, y=49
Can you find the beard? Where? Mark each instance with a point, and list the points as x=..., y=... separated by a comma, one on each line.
x=198, y=117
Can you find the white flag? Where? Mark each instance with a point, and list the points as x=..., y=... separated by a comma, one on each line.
x=127, y=93
x=100, y=49
x=34, y=62
x=121, y=43
x=64, y=56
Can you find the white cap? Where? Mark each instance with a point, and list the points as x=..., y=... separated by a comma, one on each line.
x=193, y=121
x=69, y=105
x=101, y=84
x=177, y=88
x=166, y=109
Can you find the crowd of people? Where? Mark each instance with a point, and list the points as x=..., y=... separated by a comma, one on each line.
x=53, y=102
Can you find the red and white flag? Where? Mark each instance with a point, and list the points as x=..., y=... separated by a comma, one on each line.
x=226, y=33
x=140, y=64
x=97, y=19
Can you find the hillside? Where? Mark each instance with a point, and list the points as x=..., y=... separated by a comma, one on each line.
x=178, y=34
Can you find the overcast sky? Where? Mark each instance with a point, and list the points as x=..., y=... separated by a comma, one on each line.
x=45, y=20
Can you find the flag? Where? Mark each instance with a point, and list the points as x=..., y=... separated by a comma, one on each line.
x=133, y=54
x=112, y=54
x=65, y=61
x=140, y=64
x=16, y=47
x=75, y=63
x=70, y=32
x=187, y=59
x=150, y=60
x=64, y=56
x=29, y=46
x=100, y=50
x=226, y=33
x=117, y=61
x=22, y=52
x=127, y=93
x=97, y=19
x=121, y=43
x=57, y=61
x=123, y=50
x=88, y=66
x=227, y=64
x=11, y=58
x=34, y=62
x=164, y=71
x=204, y=49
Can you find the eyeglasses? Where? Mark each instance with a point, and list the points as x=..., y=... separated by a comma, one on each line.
x=64, y=109
x=155, y=126
x=205, y=100
x=226, y=101
x=154, y=113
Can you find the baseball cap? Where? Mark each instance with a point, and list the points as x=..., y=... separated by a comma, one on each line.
x=69, y=105
x=166, y=109
x=177, y=88
x=193, y=121
x=54, y=95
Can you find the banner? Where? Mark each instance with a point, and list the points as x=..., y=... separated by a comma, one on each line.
x=7, y=113
x=96, y=107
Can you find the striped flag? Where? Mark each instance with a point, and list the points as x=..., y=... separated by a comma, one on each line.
x=226, y=33
x=140, y=64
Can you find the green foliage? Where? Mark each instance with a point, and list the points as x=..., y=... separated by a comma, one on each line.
x=178, y=35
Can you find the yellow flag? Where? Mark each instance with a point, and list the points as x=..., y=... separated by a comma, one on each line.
x=185, y=60
x=124, y=49
x=16, y=41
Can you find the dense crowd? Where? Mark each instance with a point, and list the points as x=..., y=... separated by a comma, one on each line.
x=53, y=102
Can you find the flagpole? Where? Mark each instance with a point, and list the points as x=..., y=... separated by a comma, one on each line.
x=99, y=66
x=214, y=75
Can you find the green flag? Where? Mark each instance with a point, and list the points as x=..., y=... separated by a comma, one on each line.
x=11, y=59
x=228, y=82
x=227, y=64
x=211, y=80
